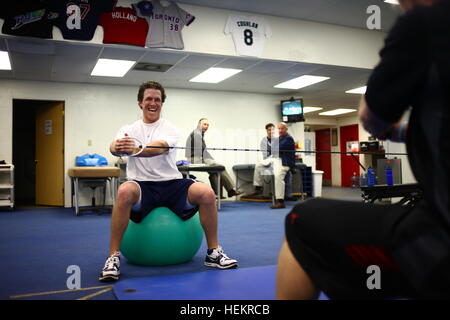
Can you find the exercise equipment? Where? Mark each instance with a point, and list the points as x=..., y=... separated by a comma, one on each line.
x=162, y=238
x=140, y=145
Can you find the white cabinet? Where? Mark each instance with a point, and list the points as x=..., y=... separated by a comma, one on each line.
x=7, y=185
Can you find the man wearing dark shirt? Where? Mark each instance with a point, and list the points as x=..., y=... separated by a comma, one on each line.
x=331, y=245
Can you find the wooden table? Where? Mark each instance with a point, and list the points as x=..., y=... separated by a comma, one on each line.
x=93, y=175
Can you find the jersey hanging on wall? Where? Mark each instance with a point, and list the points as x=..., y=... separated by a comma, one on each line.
x=249, y=34
x=78, y=19
x=165, y=23
x=28, y=18
x=123, y=26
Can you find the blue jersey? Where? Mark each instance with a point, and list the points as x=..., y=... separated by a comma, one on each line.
x=78, y=19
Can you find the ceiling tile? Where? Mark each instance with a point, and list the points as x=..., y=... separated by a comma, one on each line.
x=127, y=53
x=27, y=45
x=163, y=57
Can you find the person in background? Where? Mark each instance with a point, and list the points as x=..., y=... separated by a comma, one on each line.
x=196, y=152
x=266, y=142
x=282, y=159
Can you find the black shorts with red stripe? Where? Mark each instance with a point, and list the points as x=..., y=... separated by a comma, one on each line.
x=355, y=250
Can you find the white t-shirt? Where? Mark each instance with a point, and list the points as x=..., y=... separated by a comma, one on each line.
x=248, y=33
x=158, y=168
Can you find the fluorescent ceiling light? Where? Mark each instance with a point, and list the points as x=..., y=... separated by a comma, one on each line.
x=392, y=1
x=336, y=112
x=360, y=90
x=301, y=82
x=311, y=109
x=215, y=75
x=5, y=64
x=112, y=67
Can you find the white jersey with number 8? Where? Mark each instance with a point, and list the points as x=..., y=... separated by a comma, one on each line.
x=249, y=34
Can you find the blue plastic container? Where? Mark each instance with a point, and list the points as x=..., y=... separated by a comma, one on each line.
x=389, y=179
x=370, y=177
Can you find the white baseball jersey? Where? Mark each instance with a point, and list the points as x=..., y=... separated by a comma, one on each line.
x=165, y=24
x=249, y=34
x=158, y=168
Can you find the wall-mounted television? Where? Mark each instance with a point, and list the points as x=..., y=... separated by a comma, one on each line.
x=292, y=110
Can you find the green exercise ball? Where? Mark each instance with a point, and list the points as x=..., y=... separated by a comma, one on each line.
x=162, y=238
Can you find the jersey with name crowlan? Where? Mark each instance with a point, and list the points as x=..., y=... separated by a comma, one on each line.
x=78, y=19
x=123, y=26
x=165, y=24
x=249, y=34
x=27, y=18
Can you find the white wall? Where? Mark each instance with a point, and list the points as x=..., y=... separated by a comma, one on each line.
x=292, y=39
x=96, y=112
x=310, y=158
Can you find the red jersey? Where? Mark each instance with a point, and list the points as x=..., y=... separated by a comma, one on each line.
x=123, y=26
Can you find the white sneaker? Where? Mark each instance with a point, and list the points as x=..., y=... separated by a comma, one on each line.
x=111, y=270
x=218, y=259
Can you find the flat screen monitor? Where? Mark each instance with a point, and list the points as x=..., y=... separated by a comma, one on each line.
x=292, y=110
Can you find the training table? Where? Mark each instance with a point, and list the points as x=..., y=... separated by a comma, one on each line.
x=95, y=176
x=205, y=168
x=409, y=192
x=241, y=170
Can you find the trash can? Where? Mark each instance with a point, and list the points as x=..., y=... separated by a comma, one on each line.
x=317, y=183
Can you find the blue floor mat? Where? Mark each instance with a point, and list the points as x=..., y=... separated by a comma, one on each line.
x=256, y=283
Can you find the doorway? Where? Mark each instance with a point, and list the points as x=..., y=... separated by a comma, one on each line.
x=348, y=134
x=38, y=152
x=323, y=160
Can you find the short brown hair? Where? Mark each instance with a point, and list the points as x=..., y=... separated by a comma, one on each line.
x=151, y=85
x=269, y=125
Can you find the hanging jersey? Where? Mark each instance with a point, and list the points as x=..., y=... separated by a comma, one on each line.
x=28, y=18
x=249, y=34
x=165, y=24
x=123, y=26
x=78, y=19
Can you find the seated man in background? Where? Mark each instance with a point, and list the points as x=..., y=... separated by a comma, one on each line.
x=266, y=142
x=196, y=153
x=281, y=159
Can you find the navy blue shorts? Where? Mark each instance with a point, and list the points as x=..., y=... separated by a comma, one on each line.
x=172, y=194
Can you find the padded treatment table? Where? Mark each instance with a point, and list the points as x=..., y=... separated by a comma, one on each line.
x=205, y=168
x=246, y=170
x=255, y=283
x=95, y=176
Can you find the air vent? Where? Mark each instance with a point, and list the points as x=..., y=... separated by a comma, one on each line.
x=147, y=66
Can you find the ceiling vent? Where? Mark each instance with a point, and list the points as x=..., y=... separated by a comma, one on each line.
x=147, y=66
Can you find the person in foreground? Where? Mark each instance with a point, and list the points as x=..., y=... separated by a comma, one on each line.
x=336, y=246
x=154, y=181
